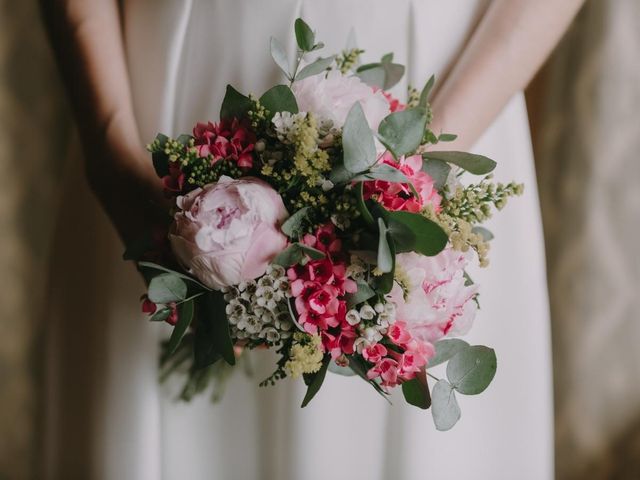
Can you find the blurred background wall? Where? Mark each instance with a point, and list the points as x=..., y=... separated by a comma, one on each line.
x=585, y=112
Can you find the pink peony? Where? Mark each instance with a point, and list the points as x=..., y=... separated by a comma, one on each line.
x=438, y=302
x=331, y=97
x=228, y=231
x=399, y=196
x=227, y=140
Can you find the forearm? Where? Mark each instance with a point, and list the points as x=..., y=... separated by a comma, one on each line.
x=509, y=45
x=87, y=40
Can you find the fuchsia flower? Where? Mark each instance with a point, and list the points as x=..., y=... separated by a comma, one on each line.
x=374, y=353
x=399, y=196
x=395, y=105
x=387, y=370
x=227, y=140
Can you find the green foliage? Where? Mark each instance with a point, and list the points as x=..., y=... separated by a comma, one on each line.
x=362, y=206
x=167, y=288
x=471, y=370
x=472, y=163
x=445, y=409
x=360, y=368
x=185, y=315
x=416, y=393
x=279, y=99
x=295, y=254
x=304, y=36
x=413, y=232
x=318, y=66
x=386, y=255
x=364, y=293
x=401, y=132
x=214, y=310
x=357, y=141
x=384, y=74
x=424, y=95
x=279, y=56
x=382, y=172
x=437, y=170
x=316, y=382
x=445, y=349
x=293, y=226
x=234, y=104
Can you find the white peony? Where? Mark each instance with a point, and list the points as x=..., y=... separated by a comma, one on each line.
x=331, y=97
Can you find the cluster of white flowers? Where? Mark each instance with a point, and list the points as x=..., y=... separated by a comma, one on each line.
x=356, y=268
x=373, y=322
x=286, y=125
x=258, y=310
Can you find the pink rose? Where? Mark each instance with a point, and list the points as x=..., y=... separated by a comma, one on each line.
x=228, y=231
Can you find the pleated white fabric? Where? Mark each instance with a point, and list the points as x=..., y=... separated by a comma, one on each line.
x=109, y=419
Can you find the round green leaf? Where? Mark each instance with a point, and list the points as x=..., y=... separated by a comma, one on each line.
x=279, y=99
x=471, y=370
x=167, y=288
x=444, y=406
x=402, y=132
x=416, y=393
x=446, y=349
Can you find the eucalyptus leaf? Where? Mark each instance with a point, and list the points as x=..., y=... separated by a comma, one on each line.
x=279, y=56
x=444, y=406
x=279, y=99
x=214, y=306
x=292, y=227
x=416, y=393
x=471, y=370
x=312, y=253
x=437, y=170
x=382, y=172
x=364, y=293
x=393, y=74
x=486, y=234
x=319, y=66
x=373, y=75
x=304, y=35
x=316, y=383
x=289, y=256
x=362, y=206
x=234, y=104
x=339, y=174
x=424, y=95
x=401, y=132
x=185, y=315
x=429, y=239
x=385, y=255
x=472, y=163
x=447, y=137
x=161, y=315
x=357, y=141
x=445, y=349
x=167, y=288
x=155, y=266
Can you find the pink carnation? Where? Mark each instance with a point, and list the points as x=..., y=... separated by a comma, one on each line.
x=227, y=140
x=399, y=196
x=318, y=288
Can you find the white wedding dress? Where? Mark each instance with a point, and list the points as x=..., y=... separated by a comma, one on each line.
x=108, y=418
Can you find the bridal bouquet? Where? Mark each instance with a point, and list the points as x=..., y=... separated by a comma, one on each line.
x=315, y=221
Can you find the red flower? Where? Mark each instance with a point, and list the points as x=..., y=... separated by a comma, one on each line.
x=227, y=140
